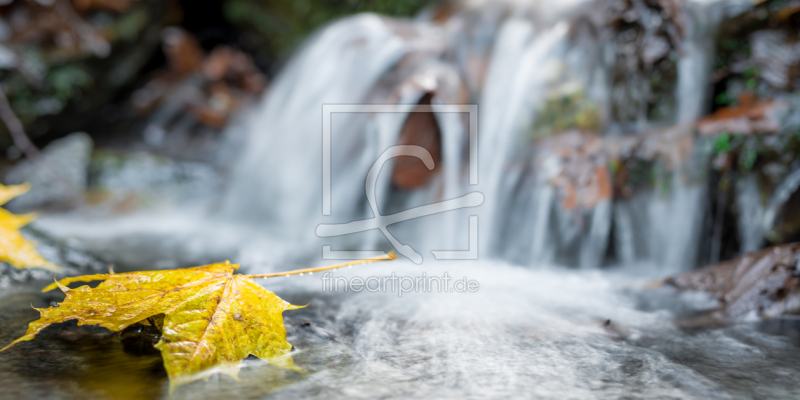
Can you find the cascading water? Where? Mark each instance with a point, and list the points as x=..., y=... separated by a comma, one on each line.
x=531, y=54
x=546, y=331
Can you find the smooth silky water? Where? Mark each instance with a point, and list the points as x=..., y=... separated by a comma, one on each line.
x=533, y=329
x=532, y=333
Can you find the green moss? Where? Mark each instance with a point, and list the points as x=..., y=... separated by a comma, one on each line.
x=565, y=112
x=749, y=159
x=60, y=85
x=67, y=81
x=722, y=99
x=722, y=143
x=282, y=25
x=641, y=172
x=128, y=26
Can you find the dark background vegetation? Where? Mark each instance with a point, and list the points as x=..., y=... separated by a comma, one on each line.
x=55, y=89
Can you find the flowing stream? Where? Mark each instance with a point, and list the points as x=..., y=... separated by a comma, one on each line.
x=536, y=327
x=504, y=57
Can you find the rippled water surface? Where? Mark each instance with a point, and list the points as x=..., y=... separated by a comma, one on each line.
x=540, y=332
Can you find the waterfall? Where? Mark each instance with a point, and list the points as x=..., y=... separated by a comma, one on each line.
x=508, y=58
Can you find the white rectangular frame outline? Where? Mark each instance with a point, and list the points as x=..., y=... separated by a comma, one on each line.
x=329, y=109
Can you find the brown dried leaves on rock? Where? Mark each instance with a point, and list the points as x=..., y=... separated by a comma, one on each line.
x=749, y=117
x=588, y=169
x=211, y=86
x=765, y=282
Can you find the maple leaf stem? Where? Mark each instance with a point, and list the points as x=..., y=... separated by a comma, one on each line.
x=388, y=257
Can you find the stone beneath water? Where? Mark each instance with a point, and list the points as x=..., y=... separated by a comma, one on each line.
x=58, y=177
x=139, y=339
x=765, y=283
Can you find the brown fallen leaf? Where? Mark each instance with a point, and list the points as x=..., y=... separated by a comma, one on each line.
x=210, y=318
x=750, y=117
x=14, y=248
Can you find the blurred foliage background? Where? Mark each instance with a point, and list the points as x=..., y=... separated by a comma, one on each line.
x=73, y=65
x=279, y=26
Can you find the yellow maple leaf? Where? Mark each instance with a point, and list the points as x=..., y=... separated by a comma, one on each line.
x=210, y=318
x=14, y=248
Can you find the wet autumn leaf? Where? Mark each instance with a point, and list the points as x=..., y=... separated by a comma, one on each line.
x=210, y=318
x=14, y=248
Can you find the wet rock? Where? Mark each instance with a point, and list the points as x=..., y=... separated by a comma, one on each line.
x=577, y=166
x=764, y=283
x=588, y=169
x=419, y=129
x=566, y=108
x=614, y=331
x=756, y=51
x=610, y=194
x=753, y=179
x=776, y=57
x=780, y=221
x=139, y=339
x=122, y=182
x=645, y=38
x=58, y=177
x=416, y=80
